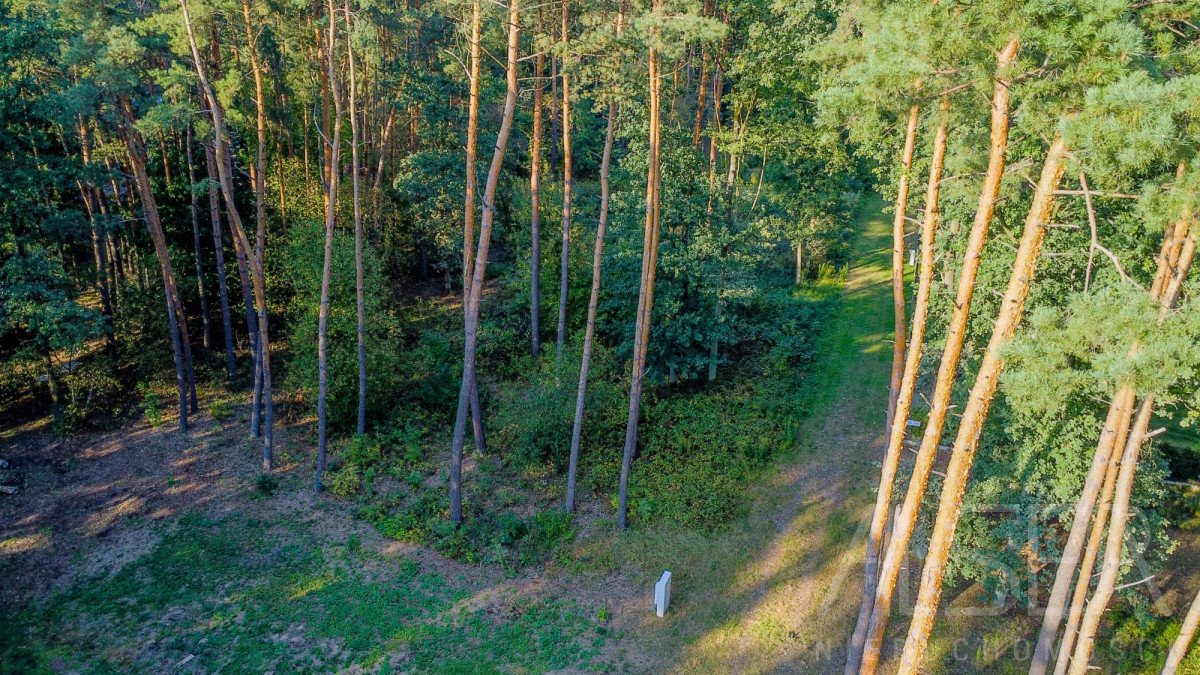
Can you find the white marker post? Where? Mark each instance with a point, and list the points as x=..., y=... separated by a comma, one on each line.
x=662, y=594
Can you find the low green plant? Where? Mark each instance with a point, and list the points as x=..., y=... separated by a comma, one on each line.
x=220, y=410
x=266, y=484
x=151, y=404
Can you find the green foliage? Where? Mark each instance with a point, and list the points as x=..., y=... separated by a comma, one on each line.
x=151, y=404
x=306, y=255
x=266, y=484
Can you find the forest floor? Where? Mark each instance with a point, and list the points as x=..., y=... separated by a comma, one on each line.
x=144, y=550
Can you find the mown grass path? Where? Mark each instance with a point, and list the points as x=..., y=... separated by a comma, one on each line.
x=778, y=592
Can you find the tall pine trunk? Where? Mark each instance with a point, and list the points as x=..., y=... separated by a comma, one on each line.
x=332, y=173
x=975, y=414
x=564, y=267
x=910, y=140
x=1179, y=648
x=214, y=211
x=645, y=308
x=360, y=300
x=480, y=268
x=224, y=162
x=535, y=217
x=906, y=522
x=904, y=398
x=469, y=207
x=1116, y=425
x=593, y=300
x=193, y=211
x=258, y=175
x=136, y=149
x=1111, y=566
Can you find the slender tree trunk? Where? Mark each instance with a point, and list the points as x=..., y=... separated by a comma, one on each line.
x=564, y=267
x=258, y=175
x=136, y=150
x=1079, y=597
x=594, y=299
x=535, y=220
x=214, y=211
x=799, y=262
x=94, y=203
x=193, y=211
x=358, y=238
x=910, y=139
x=480, y=268
x=906, y=522
x=332, y=173
x=1179, y=648
x=904, y=399
x=646, y=295
x=469, y=207
x=1116, y=425
x=975, y=413
x=225, y=172
x=1111, y=565
x=554, y=128
x=702, y=84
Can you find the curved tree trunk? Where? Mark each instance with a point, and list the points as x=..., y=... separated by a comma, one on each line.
x=908, y=385
x=939, y=407
x=1179, y=648
x=975, y=414
x=258, y=175
x=480, y=268
x=194, y=211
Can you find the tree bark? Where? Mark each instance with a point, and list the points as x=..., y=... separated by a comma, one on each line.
x=1119, y=519
x=479, y=269
x=594, y=299
x=1179, y=648
x=975, y=414
x=225, y=173
x=136, y=150
x=469, y=207
x=360, y=300
x=333, y=151
x=564, y=267
x=906, y=522
x=193, y=211
x=535, y=219
x=258, y=175
x=904, y=398
x=649, y=266
x=910, y=139
x=214, y=210
x=1116, y=425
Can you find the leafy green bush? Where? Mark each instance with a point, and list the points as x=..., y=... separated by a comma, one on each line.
x=220, y=410
x=151, y=404
x=346, y=481
x=266, y=484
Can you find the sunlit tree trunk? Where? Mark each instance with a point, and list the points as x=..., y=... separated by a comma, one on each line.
x=906, y=522
x=258, y=176
x=564, y=267
x=469, y=206
x=646, y=295
x=901, y=206
x=702, y=84
x=535, y=219
x=975, y=414
x=360, y=300
x=904, y=399
x=1179, y=648
x=480, y=268
x=1106, y=456
x=224, y=165
x=1111, y=565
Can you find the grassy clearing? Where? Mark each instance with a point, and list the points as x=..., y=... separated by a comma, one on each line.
x=239, y=594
